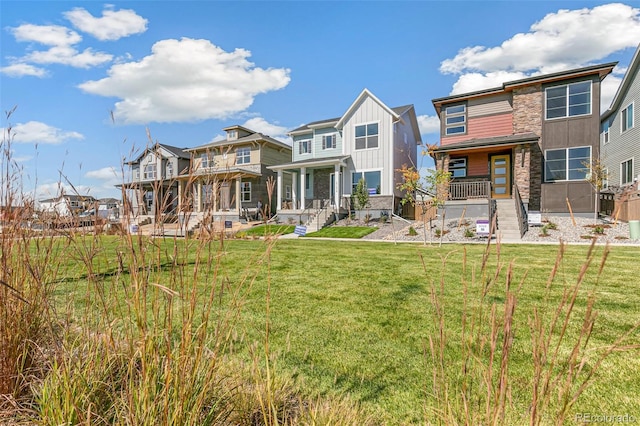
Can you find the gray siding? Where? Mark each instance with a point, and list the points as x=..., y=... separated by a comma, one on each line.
x=498, y=104
x=624, y=146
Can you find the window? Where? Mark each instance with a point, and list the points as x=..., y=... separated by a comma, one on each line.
x=243, y=155
x=458, y=167
x=304, y=146
x=136, y=174
x=287, y=192
x=567, y=164
x=233, y=134
x=605, y=178
x=455, y=119
x=206, y=160
x=627, y=118
x=245, y=191
x=169, y=169
x=148, y=196
x=605, y=131
x=367, y=136
x=328, y=141
x=372, y=180
x=568, y=100
x=150, y=171
x=626, y=172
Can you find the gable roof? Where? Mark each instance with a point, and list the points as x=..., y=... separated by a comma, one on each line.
x=177, y=152
x=364, y=94
x=624, y=85
x=602, y=70
x=253, y=137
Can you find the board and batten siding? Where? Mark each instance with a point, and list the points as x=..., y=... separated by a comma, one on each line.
x=624, y=146
x=378, y=158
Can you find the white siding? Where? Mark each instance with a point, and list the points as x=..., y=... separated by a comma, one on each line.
x=379, y=158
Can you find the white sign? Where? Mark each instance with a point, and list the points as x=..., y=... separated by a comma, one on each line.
x=534, y=218
x=482, y=227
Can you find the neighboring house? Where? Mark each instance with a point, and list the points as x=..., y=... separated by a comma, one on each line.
x=228, y=178
x=620, y=130
x=530, y=140
x=67, y=205
x=108, y=208
x=369, y=141
x=153, y=189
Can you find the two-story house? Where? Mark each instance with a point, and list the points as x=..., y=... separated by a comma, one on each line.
x=153, y=188
x=228, y=179
x=529, y=141
x=620, y=132
x=370, y=141
x=66, y=204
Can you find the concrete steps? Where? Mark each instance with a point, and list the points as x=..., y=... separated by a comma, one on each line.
x=508, y=227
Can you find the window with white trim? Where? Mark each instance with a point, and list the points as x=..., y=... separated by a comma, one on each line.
x=304, y=146
x=328, y=141
x=150, y=171
x=372, y=181
x=455, y=119
x=169, y=169
x=243, y=155
x=206, y=160
x=245, y=191
x=287, y=192
x=232, y=134
x=367, y=136
x=605, y=178
x=567, y=164
x=604, y=127
x=626, y=118
x=458, y=167
x=626, y=172
x=568, y=100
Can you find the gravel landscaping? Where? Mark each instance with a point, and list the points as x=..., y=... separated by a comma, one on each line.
x=463, y=231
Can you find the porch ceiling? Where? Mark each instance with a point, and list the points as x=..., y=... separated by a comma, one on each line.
x=487, y=144
x=318, y=162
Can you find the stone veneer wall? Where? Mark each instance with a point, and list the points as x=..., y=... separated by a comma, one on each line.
x=527, y=118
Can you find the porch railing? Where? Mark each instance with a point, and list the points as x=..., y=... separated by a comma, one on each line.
x=467, y=190
x=523, y=222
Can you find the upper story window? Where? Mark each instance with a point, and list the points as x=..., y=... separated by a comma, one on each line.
x=568, y=100
x=626, y=172
x=605, y=131
x=232, y=134
x=150, y=171
x=458, y=167
x=243, y=155
x=627, y=118
x=304, y=146
x=328, y=141
x=169, y=169
x=567, y=164
x=367, y=136
x=455, y=119
x=206, y=160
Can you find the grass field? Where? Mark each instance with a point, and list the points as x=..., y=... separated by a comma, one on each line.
x=362, y=320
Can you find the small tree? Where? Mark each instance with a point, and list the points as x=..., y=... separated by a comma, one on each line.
x=596, y=176
x=361, y=196
x=417, y=188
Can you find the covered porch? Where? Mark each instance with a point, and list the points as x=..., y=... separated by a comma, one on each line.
x=315, y=185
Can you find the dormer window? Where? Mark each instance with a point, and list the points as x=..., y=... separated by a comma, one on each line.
x=455, y=119
x=232, y=135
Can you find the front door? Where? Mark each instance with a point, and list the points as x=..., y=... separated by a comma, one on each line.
x=501, y=176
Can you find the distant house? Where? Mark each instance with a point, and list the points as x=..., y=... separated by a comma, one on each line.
x=153, y=188
x=227, y=179
x=108, y=208
x=370, y=141
x=67, y=204
x=620, y=132
x=529, y=142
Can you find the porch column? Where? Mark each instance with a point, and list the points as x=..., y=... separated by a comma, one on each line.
x=199, y=204
x=294, y=190
x=303, y=187
x=238, y=196
x=279, y=192
x=336, y=186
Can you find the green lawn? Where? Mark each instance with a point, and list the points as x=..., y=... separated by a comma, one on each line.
x=354, y=318
x=343, y=232
x=263, y=230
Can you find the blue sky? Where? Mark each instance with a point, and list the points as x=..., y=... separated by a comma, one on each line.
x=179, y=72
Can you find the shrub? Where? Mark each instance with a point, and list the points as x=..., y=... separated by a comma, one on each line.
x=412, y=231
x=468, y=233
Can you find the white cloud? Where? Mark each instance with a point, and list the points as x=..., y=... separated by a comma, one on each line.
x=50, y=35
x=105, y=173
x=113, y=25
x=217, y=138
x=428, y=124
x=54, y=189
x=38, y=132
x=67, y=55
x=186, y=80
x=20, y=70
x=560, y=41
x=261, y=125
